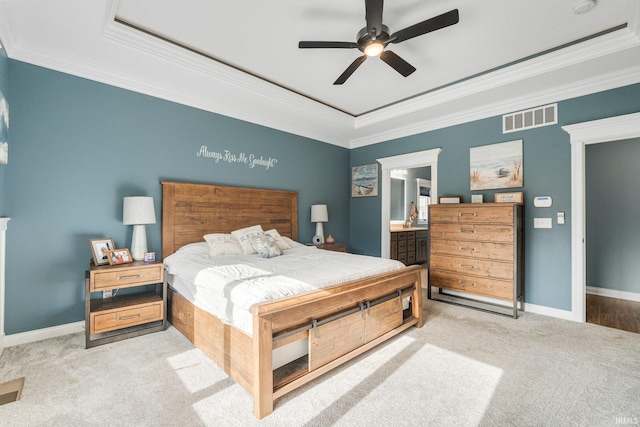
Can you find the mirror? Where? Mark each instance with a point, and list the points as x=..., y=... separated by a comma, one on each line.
x=424, y=200
x=397, y=199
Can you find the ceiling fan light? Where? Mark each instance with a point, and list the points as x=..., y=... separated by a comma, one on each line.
x=374, y=49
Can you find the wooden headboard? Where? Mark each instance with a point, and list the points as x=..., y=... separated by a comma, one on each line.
x=189, y=211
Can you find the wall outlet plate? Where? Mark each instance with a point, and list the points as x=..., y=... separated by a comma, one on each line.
x=542, y=223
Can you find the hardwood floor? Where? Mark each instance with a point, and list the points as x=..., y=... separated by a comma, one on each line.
x=614, y=313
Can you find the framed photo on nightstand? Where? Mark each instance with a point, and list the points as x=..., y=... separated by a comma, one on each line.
x=119, y=256
x=100, y=249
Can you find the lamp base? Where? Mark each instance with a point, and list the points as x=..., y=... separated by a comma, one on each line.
x=138, y=242
x=319, y=232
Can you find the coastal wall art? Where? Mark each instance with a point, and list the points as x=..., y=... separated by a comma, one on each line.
x=364, y=180
x=496, y=166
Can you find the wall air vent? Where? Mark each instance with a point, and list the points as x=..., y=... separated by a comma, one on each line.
x=533, y=118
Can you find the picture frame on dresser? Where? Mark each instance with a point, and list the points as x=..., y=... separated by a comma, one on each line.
x=450, y=199
x=100, y=249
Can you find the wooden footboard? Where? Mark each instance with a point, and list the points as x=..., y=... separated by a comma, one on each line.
x=340, y=323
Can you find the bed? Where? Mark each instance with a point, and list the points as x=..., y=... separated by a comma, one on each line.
x=336, y=323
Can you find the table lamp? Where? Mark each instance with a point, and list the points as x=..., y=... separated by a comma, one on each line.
x=138, y=211
x=319, y=215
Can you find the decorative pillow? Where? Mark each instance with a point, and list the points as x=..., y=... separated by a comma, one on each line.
x=278, y=238
x=244, y=236
x=265, y=245
x=223, y=244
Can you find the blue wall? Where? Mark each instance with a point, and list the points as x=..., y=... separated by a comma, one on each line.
x=613, y=209
x=78, y=147
x=547, y=172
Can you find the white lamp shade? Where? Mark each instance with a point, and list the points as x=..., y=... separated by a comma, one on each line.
x=138, y=210
x=319, y=213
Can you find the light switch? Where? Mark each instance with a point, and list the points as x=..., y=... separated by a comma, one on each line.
x=542, y=223
x=560, y=217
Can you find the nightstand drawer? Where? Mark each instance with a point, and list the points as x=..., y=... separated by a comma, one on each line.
x=127, y=277
x=110, y=320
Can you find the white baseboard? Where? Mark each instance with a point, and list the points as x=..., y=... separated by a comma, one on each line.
x=611, y=293
x=43, y=334
x=548, y=311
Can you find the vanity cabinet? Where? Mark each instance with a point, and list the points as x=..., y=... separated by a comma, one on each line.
x=410, y=247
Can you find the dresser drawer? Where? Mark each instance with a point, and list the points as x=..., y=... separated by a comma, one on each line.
x=476, y=267
x=110, y=320
x=482, y=250
x=470, y=213
x=500, y=289
x=123, y=278
x=475, y=232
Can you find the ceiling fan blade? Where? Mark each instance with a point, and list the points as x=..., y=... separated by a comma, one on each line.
x=397, y=63
x=350, y=69
x=446, y=19
x=328, y=45
x=374, y=17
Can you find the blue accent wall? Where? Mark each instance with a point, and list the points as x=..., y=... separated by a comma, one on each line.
x=78, y=147
x=613, y=209
x=547, y=172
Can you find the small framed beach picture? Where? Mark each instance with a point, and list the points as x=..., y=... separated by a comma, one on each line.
x=364, y=180
x=119, y=256
x=99, y=249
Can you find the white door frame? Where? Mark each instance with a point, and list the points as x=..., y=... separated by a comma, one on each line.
x=581, y=134
x=403, y=161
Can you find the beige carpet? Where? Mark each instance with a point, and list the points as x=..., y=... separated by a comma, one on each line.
x=464, y=368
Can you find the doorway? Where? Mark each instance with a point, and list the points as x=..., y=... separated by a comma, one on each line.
x=582, y=134
x=403, y=161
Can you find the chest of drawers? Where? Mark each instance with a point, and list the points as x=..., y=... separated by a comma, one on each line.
x=477, y=249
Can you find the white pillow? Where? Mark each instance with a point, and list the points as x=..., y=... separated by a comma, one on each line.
x=266, y=246
x=292, y=243
x=278, y=238
x=244, y=236
x=223, y=244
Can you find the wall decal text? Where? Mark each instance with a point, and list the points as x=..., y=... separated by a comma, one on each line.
x=227, y=156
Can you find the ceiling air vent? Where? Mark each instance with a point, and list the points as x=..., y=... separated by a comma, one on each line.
x=533, y=118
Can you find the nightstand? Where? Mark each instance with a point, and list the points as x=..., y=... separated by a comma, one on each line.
x=138, y=307
x=336, y=247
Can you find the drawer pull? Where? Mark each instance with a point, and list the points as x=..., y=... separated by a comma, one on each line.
x=467, y=214
x=468, y=266
x=129, y=317
x=462, y=282
x=467, y=230
x=466, y=248
x=137, y=276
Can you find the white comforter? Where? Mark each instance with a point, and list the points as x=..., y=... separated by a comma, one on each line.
x=227, y=286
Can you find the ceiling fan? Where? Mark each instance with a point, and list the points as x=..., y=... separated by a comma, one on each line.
x=374, y=38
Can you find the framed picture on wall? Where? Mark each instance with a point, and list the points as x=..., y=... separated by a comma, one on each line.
x=496, y=166
x=364, y=180
x=100, y=249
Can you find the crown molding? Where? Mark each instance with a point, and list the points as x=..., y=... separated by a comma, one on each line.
x=562, y=58
x=579, y=88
